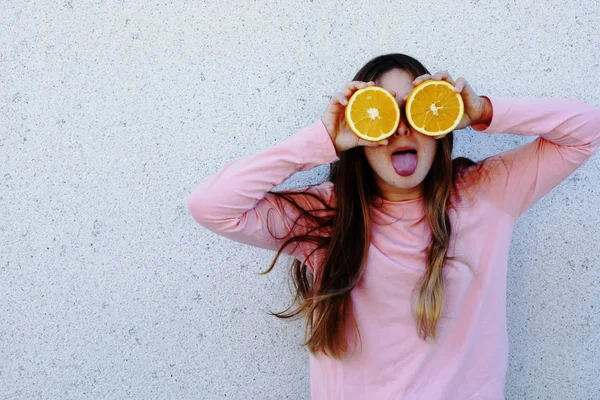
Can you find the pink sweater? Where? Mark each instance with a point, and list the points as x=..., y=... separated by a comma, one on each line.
x=470, y=358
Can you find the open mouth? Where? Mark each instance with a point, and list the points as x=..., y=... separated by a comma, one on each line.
x=405, y=161
x=412, y=151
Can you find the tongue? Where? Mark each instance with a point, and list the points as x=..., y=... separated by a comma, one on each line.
x=405, y=163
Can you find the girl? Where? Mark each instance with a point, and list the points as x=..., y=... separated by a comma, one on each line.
x=401, y=257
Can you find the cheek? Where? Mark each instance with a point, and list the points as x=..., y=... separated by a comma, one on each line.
x=429, y=148
x=376, y=157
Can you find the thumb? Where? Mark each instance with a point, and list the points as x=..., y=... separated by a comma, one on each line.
x=367, y=143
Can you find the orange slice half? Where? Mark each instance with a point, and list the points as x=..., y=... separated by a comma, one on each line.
x=372, y=113
x=433, y=108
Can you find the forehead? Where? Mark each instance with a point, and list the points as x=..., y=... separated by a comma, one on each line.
x=398, y=81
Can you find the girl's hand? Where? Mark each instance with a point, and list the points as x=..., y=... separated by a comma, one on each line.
x=334, y=120
x=478, y=110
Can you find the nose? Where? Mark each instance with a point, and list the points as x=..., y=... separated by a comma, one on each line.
x=403, y=128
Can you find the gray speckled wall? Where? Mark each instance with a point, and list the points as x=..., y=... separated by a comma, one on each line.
x=111, y=112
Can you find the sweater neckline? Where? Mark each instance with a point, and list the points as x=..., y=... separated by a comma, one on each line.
x=400, y=202
x=404, y=209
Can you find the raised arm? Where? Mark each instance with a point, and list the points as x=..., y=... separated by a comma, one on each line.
x=235, y=202
x=568, y=134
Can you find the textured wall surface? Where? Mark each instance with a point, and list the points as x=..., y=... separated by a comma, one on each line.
x=112, y=111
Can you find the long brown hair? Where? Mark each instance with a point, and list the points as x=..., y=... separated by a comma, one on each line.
x=342, y=233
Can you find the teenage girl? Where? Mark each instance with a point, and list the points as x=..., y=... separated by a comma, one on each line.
x=400, y=258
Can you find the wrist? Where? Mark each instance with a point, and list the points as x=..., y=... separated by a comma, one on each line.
x=485, y=118
x=329, y=131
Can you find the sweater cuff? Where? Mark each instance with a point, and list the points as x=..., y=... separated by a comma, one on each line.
x=316, y=144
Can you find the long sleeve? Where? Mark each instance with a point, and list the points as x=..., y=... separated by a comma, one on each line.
x=569, y=133
x=235, y=202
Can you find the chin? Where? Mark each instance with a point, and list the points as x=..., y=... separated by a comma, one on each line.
x=408, y=184
x=405, y=182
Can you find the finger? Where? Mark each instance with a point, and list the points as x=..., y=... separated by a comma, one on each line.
x=440, y=75
x=343, y=100
x=443, y=76
x=339, y=98
x=393, y=93
x=355, y=85
x=460, y=85
x=348, y=90
x=421, y=78
x=367, y=143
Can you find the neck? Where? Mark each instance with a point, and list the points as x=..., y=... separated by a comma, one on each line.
x=395, y=194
